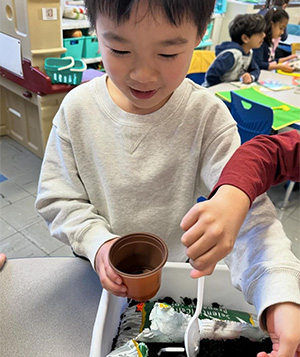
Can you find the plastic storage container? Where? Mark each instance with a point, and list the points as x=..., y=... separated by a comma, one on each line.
x=206, y=40
x=74, y=46
x=220, y=6
x=176, y=283
x=90, y=47
x=65, y=70
x=207, y=34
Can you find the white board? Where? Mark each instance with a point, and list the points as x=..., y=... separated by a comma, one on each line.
x=10, y=54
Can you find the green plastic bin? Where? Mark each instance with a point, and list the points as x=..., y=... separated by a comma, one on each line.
x=64, y=70
x=91, y=47
x=74, y=46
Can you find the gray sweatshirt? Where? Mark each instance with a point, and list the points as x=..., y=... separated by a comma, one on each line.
x=107, y=173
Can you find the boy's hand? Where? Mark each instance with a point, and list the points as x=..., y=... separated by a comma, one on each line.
x=2, y=259
x=246, y=78
x=283, y=324
x=212, y=227
x=111, y=281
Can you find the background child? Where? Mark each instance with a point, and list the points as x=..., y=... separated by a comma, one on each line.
x=132, y=150
x=269, y=4
x=276, y=21
x=234, y=59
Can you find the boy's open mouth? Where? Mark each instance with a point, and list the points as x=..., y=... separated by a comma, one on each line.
x=142, y=94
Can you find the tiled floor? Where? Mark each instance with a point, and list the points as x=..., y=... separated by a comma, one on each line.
x=24, y=234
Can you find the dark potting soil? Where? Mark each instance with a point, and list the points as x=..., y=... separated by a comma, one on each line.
x=209, y=348
x=223, y=348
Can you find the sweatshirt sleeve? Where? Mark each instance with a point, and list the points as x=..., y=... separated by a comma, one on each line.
x=63, y=201
x=261, y=56
x=218, y=68
x=264, y=161
x=254, y=69
x=262, y=264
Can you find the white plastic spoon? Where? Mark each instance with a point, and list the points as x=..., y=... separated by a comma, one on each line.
x=192, y=332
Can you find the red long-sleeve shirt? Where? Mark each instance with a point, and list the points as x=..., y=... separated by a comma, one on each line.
x=264, y=161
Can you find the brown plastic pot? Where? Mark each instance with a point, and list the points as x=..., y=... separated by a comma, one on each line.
x=139, y=258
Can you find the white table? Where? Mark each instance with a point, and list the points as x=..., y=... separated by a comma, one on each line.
x=288, y=96
x=47, y=307
x=291, y=39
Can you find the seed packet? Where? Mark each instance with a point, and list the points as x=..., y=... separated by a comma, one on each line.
x=161, y=322
x=130, y=349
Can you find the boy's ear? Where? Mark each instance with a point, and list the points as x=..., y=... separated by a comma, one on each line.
x=199, y=37
x=197, y=41
x=245, y=38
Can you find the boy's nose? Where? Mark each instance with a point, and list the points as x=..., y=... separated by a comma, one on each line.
x=143, y=73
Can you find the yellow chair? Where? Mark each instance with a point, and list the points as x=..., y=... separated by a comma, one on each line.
x=200, y=63
x=295, y=48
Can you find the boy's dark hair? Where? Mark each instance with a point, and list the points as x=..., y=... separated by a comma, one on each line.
x=247, y=24
x=275, y=14
x=176, y=11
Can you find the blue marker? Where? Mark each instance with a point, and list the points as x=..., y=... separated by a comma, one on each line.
x=201, y=199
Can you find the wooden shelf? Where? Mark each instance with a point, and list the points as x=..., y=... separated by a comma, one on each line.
x=69, y=24
x=91, y=60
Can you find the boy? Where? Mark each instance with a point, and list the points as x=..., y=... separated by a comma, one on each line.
x=234, y=59
x=132, y=151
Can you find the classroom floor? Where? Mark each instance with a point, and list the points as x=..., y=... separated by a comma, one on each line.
x=24, y=234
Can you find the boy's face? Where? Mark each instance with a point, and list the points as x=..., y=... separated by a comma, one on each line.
x=256, y=40
x=146, y=59
x=278, y=28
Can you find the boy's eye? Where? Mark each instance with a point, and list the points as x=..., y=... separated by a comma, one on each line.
x=169, y=56
x=118, y=53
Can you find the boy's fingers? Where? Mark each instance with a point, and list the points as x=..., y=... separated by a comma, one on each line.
x=287, y=347
x=199, y=273
x=113, y=276
x=2, y=259
x=206, y=263
x=190, y=218
x=111, y=281
x=193, y=235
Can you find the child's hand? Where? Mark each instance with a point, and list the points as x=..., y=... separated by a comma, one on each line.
x=212, y=227
x=288, y=58
x=111, y=281
x=2, y=259
x=246, y=78
x=284, y=329
x=285, y=68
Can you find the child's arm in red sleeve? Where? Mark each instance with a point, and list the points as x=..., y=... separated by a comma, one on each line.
x=264, y=161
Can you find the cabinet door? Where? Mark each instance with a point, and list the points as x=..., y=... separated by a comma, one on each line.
x=22, y=121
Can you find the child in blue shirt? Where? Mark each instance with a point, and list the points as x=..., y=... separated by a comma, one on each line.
x=268, y=5
x=234, y=59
